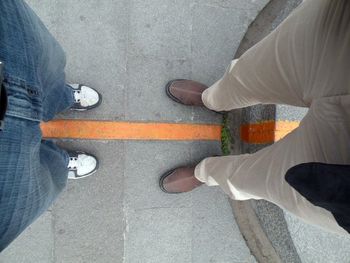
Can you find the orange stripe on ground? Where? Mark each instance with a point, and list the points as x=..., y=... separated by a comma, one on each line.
x=255, y=133
x=109, y=130
x=266, y=132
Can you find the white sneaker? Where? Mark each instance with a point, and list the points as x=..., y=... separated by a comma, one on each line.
x=85, y=98
x=81, y=165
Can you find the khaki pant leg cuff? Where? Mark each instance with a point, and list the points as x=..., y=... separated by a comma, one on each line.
x=217, y=97
x=205, y=96
x=199, y=173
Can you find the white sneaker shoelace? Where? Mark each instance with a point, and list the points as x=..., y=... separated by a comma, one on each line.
x=73, y=163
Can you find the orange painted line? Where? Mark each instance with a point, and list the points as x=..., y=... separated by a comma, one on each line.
x=254, y=133
x=266, y=132
x=110, y=130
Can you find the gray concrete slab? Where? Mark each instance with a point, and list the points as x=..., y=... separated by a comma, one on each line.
x=215, y=237
x=290, y=113
x=217, y=29
x=272, y=220
x=89, y=216
x=145, y=163
x=95, y=48
x=253, y=5
x=147, y=78
x=210, y=234
x=158, y=235
x=200, y=150
x=215, y=34
x=160, y=28
x=316, y=245
x=34, y=245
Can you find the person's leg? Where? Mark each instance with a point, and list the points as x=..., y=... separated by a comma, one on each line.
x=32, y=174
x=305, y=58
x=28, y=184
x=33, y=56
x=323, y=136
x=301, y=63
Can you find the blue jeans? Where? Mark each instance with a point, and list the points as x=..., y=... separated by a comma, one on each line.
x=32, y=171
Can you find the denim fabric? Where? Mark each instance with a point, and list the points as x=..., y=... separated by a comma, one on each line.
x=32, y=171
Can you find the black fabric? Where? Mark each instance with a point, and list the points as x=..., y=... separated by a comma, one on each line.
x=326, y=186
x=3, y=97
x=3, y=102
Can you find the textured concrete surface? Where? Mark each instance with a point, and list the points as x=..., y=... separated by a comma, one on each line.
x=316, y=245
x=89, y=216
x=34, y=245
x=94, y=37
x=292, y=239
x=272, y=220
x=128, y=50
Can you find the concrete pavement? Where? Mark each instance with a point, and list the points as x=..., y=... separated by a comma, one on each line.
x=128, y=50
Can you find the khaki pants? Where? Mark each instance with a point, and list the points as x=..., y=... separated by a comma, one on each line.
x=304, y=62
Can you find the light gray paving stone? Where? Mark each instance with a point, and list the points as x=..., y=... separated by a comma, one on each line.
x=290, y=113
x=145, y=163
x=147, y=100
x=216, y=237
x=217, y=30
x=158, y=235
x=255, y=5
x=160, y=28
x=316, y=245
x=202, y=149
x=217, y=33
x=34, y=245
x=94, y=37
x=206, y=116
x=273, y=223
x=89, y=217
x=45, y=11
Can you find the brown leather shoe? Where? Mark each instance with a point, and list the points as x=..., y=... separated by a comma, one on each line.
x=187, y=92
x=179, y=180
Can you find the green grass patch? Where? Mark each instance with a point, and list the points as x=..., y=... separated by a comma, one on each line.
x=225, y=136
